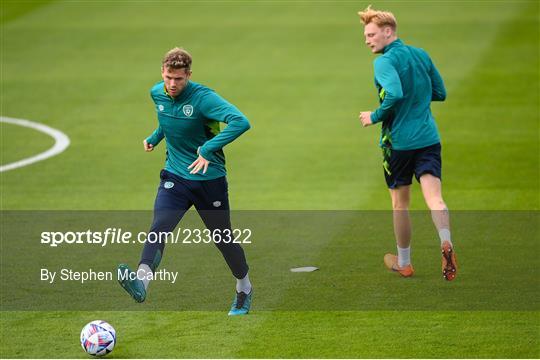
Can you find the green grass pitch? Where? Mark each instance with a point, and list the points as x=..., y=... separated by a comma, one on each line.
x=301, y=74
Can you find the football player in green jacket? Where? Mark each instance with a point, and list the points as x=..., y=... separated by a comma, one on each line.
x=188, y=116
x=407, y=82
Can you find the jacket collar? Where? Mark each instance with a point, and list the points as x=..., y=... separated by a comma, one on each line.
x=392, y=45
x=182, y=94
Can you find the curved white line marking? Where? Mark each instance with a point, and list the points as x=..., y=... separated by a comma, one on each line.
x=61, y=142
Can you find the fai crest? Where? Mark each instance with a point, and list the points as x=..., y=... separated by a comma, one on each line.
x=168, y=185
x=188, y=110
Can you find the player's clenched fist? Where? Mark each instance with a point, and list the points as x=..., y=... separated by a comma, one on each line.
x=365, y=118
x=147, y=147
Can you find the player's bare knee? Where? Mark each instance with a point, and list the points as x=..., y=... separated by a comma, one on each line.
x=436, y=204
x=400, y=204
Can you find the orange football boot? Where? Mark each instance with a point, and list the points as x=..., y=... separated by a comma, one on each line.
x=449, y=264
x=391, y=262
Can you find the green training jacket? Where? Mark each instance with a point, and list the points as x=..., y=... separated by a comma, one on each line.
x=407, y=82
x=190, y=122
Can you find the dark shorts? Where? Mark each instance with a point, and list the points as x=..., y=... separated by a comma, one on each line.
x=211, y=199
x=400, y=165
x=176, y=193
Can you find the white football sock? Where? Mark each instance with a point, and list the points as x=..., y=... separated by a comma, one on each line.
x=444, y=235
x=144, y=271
x=404, y=256
x=243, y=285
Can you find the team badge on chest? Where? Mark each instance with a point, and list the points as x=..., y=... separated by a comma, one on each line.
x=187, y=110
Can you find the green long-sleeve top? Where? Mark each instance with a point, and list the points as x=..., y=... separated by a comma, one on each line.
x=190, y=123
x=407, y=82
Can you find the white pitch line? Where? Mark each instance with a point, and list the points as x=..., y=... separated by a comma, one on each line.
x=61, y=142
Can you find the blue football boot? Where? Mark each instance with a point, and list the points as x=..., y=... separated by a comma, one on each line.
x=241, y=303
x=134, y=287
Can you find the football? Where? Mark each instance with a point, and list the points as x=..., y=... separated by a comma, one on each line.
x=98, y=338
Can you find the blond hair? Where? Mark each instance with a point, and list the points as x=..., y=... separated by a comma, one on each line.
x=177, y=58
x=379, y=18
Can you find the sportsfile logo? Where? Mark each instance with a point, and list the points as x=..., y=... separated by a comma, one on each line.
x=120, y=236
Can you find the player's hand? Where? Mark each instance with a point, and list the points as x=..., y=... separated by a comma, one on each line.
x=197, y=165
x=365, y=118
x=147, y=147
